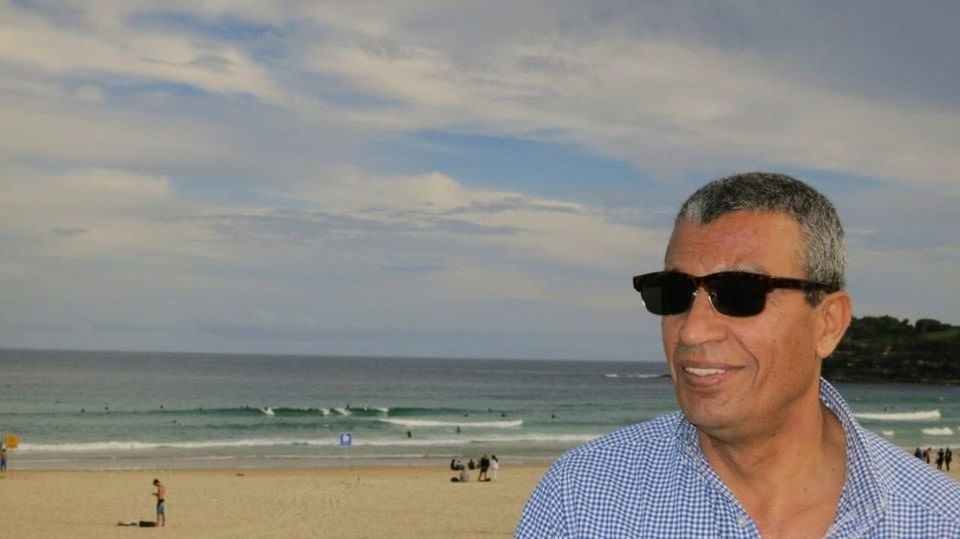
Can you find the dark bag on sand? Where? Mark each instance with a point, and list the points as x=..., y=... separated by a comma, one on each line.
x=148, y=524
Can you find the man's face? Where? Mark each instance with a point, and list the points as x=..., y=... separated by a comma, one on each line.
x=742, y=376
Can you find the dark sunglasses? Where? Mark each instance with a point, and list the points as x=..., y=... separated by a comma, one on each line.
x=733, y=293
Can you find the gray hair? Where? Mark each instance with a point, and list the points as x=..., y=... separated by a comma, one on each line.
x=823, y=254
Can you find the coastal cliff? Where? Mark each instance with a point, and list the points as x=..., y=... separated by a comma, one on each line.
x=885, y=349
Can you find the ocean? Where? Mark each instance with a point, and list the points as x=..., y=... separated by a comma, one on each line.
x=136, y=410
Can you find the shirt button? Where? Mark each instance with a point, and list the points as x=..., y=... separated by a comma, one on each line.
x=742, y=521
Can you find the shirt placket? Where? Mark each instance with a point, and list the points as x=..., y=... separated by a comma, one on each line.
x=729, y=518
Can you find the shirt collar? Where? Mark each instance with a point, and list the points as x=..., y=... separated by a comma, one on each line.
x=866, y=489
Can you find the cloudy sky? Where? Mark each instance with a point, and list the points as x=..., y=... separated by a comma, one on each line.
x=446, y=178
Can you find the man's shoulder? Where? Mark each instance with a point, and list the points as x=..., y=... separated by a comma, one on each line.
x=640, y=440
x=915, y=487
x=618, y=485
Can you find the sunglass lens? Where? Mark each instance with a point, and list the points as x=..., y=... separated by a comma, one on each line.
x=737, y=295
x=667, y=293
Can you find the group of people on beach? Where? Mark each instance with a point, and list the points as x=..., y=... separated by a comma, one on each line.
x=489, y=469
x=944, y=456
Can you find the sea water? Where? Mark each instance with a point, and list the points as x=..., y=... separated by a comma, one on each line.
x=82, y=409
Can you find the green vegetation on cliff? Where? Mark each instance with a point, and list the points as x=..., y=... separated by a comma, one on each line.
x=884, y=349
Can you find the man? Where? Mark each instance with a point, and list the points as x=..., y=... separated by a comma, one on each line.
x=752, y=301
x=161, y=495
x=3, y=459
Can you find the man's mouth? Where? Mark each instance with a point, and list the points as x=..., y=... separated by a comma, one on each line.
x=703, y=372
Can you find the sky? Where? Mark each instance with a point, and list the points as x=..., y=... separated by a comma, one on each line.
x=446, y=178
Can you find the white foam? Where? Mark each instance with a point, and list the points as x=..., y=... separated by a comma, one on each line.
x=342, y=411
x=901, y=416
x=116, y=446
x=267, y=411
x=134, y=445
x=887, y=433
x=938, y=431
x=469, y=440
x=631, y=375
x=431, y=423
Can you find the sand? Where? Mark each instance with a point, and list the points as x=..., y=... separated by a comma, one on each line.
x=369, y=502
x=372, y=501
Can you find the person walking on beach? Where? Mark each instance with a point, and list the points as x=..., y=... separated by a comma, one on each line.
x=161, y=495
x=484, y=466
x=947, y=457
x=940, y=459
x=494, y=466
x=3, y=459
x=751, y=298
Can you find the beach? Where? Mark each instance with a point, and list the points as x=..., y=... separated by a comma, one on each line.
x=373, y=501
x=342, y=502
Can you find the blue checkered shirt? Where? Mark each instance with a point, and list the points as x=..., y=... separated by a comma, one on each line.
x=652, y=480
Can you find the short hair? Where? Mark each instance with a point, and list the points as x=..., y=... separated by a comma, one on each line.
x=155, y=481
x=823, y=253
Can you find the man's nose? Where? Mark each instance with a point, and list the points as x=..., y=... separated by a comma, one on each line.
x=702, y=322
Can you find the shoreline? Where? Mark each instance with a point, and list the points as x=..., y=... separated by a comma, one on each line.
x=215, y=463
x=104, y=463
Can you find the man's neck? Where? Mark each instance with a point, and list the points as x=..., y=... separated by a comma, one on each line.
x=789, y=480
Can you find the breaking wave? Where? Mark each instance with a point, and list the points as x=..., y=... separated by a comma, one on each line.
x=901, y=416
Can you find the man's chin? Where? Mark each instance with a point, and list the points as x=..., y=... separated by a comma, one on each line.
x=708, y=417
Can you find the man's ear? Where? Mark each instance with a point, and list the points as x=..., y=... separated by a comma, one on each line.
x=835, y=312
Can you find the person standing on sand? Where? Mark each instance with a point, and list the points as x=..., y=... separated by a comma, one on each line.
x=484, y=466
x=947, y=457
x=494, y=465
x=3, y=459
x=751, y=300
x=161, y=495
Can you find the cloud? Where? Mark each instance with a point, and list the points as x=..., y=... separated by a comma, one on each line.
x=96, y=135
x=122, y=52
x=87, y=190
x=69, y=232
x=514, y=204
x=213, y=170
x=622, y=86
x=644, y=100
x=306, y=227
